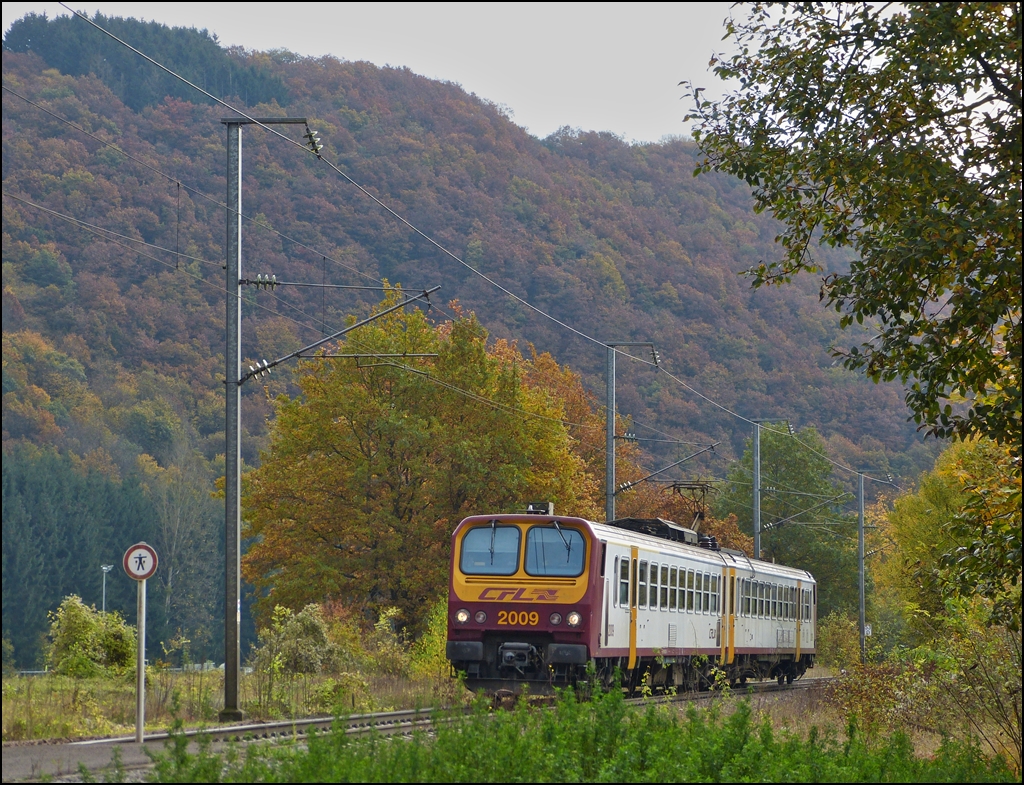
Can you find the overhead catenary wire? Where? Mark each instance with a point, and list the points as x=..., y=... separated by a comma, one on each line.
x=317, y=152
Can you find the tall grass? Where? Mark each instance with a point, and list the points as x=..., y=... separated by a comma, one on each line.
x=603, y=740
x=53, y=706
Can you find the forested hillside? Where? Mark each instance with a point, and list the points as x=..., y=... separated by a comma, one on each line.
x=113, y=349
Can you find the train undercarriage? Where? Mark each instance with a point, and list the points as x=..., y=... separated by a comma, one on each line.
x=538, y=664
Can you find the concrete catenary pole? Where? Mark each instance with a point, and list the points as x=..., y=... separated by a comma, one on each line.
x=757, y=489
x=232, y=430
x=609, y=449
x=860, y=561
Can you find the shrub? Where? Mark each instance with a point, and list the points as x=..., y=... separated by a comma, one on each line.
x=838, y=641
x=296, y=642
x=388, y=653
x=85, y=642
x=428, y=658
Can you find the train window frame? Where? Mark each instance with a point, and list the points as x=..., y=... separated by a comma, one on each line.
x=641, y=597
x=488, y=528
x=698, y=592
x=623, y=579
x=673, y=588
x=716, y=600
x=775, y=601
x=689, y=591
x=707, y=592
x=562, y=532
x=663, y=588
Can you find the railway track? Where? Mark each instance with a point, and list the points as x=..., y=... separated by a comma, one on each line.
x=45, y=761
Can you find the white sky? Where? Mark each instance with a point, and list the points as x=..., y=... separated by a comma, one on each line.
x=598, y=66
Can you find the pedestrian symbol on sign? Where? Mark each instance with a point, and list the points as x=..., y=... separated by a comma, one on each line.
x=140, y=562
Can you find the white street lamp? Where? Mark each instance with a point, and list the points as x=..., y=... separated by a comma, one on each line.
x=106, y=568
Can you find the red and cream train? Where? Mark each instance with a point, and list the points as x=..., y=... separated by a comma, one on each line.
x=536, y=599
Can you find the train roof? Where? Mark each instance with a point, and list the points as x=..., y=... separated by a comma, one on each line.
x=612, y=532
x=655, y=534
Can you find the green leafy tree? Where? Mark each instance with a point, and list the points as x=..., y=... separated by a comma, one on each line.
x=802, y=524
x=894, y=131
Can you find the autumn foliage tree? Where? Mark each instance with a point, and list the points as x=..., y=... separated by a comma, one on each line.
x=371, y=467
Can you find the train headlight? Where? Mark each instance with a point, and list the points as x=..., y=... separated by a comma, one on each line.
x=462, y=616
x=574, y=619
x=555, y=618
x=480, y=616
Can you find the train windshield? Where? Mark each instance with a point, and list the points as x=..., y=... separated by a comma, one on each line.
x=490, y=550
x=554, y=551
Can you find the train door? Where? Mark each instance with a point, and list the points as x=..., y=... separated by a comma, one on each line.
x=615, y=633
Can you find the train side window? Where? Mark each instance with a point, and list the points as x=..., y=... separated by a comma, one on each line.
x=615, y=583
x=624, y=583
x=641, y=599
x=663, y=603
x=760, y=599
x=673, y=588
x=707, y=593
x=698, y=595
x=654, y=587
x=689, y=590
x=775, y=601
x=715, y=602
x=604, y=555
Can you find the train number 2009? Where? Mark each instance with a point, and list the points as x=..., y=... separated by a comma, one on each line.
x=519, y=617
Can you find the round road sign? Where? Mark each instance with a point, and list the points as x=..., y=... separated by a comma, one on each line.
x=140, y=561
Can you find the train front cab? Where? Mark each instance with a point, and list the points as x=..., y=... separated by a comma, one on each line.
x=520, y=600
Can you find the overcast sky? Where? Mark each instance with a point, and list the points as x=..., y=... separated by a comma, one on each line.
x=598, y=66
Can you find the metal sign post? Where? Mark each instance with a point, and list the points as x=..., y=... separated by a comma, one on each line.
x=140, y=564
